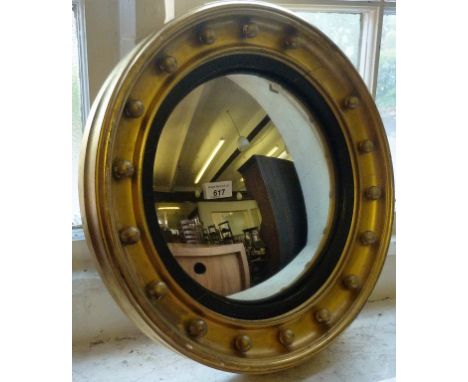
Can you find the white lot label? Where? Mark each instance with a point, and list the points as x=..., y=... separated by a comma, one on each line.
x=217, y=190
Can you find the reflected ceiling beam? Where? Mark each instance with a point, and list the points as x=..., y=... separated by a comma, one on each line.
x=257, y=129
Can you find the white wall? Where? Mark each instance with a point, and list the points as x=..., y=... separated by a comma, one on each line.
x=206, y=209
x=113, y=28
x=103, y=41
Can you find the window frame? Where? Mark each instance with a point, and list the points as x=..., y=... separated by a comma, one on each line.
x=372, y=13
x=78, y=8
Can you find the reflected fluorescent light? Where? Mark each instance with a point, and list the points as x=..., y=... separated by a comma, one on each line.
x=283, y=155
x=168, y=208
x=241, y=179
x=272, y=151
x=208, y=161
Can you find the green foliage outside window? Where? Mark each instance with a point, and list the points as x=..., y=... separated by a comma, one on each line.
x=344, y=29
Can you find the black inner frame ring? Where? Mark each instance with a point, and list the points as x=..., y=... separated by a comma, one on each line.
x=313, y=279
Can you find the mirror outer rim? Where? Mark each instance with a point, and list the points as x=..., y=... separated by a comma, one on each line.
x=100, y=191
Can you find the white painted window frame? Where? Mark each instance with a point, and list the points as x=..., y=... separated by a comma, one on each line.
x=79, y=7
x=83, y=58
x=372, y=13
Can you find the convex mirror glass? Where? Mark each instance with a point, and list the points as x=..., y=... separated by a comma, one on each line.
x=243, y=186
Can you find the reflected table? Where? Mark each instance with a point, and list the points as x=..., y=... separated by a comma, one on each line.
x=223, y=269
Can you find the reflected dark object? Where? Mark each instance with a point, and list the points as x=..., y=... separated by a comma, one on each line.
x=214, y=237
x=192, y=231
x=199, y=268
x=274, y=184
x=256, y=254
x=226, y=232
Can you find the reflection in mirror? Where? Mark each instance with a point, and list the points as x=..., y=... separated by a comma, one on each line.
x=243, y=186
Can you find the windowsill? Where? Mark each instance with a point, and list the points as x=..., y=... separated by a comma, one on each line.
x=392, y=246
x=89, y=291
x=78, y=233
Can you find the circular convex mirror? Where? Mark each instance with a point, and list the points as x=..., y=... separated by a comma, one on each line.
x=237, y=189
x=243, y=187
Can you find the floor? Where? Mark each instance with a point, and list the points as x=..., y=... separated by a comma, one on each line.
x=364, y=352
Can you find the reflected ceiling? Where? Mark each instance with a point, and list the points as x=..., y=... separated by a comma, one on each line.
x=204, y=112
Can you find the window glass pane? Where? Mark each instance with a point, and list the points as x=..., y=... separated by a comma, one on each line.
x=77, y=124
x=386, y=82
x=344, y=29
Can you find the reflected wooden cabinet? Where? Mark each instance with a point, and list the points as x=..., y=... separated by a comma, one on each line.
x=274, y=184
x=223, y=269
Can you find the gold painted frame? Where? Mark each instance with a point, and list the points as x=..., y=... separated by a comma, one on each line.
x=112, y=206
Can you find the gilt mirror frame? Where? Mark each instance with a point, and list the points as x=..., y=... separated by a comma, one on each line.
x=126, y=119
